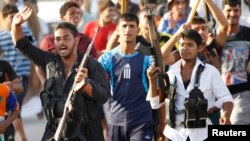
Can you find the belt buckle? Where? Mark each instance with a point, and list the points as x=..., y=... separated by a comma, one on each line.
x=179, y=123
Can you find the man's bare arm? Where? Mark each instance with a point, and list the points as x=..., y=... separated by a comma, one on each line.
x=227, y=108
x=15, y=85
x=221, y=31
x=167, y=48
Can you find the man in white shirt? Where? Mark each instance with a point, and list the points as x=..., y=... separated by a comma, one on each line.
x=183, y=75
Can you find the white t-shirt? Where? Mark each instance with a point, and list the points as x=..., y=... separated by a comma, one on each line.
x=211, y=85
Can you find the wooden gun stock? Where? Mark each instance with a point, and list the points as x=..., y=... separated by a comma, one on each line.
x=193, y=11
x=124, y=6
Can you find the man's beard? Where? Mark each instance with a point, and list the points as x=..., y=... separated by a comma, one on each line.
x=70, y=51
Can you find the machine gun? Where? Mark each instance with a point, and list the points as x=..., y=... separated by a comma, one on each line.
x=155, y=51
x=73, y=90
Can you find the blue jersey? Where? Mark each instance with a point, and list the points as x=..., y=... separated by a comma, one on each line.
x=129, y=86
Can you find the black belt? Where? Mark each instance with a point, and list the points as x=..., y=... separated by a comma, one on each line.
x=180, y=111
x=177, y=123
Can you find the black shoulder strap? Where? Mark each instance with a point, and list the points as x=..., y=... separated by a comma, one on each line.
x=197, y=75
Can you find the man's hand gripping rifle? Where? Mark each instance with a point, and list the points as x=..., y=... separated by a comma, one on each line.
x=155, y=51
x=75, y=87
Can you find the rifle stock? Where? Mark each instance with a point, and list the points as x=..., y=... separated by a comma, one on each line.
x=192, y=12
x=124, y=6
x=73, y=90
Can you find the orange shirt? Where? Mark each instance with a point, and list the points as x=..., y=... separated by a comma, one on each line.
x=4, y=93
x=8, y=100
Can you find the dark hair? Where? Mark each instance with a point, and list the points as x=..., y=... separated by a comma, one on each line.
x=198, y=20
x=9, y=9
x=65, y=7
x=231, y=3
x=104, y=4
x=67, y=25
x=129, y=17
x=192, y=35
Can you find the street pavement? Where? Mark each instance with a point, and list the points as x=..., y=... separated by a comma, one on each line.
x=33, y=126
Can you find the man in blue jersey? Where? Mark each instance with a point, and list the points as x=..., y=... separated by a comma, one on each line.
x=130, y=115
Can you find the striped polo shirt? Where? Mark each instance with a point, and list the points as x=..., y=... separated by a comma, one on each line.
x=16, y=59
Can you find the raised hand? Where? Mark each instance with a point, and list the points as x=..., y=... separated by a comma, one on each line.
x=183, y=27
x=171, y=22
x=151, y=72
x=22, y=16
x=80, y=78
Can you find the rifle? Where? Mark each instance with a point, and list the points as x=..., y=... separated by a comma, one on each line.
x=209, y=19
x=192, y=12
x=155, y=51
x=73, y=90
